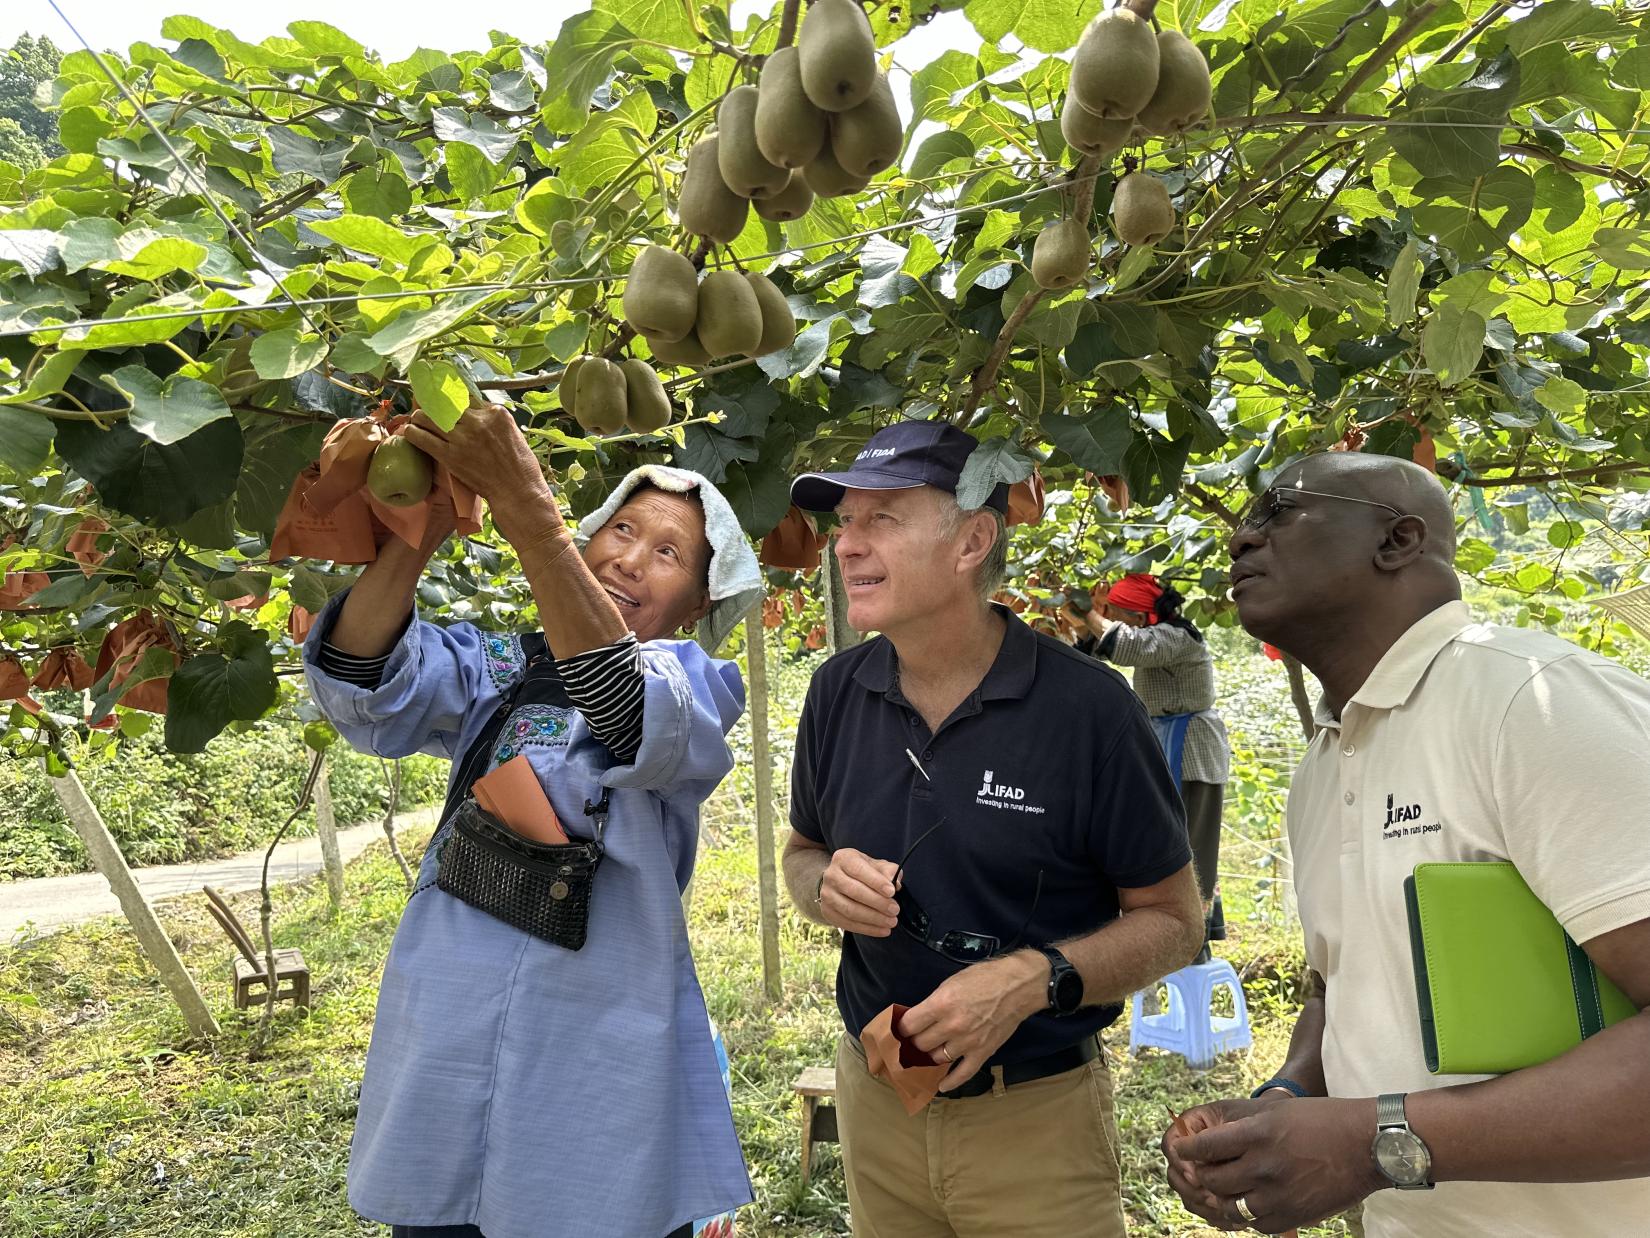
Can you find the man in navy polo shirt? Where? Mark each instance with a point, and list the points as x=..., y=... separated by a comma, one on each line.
x=987, y=816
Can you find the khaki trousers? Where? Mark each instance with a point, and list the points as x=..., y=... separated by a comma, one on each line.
x=1037, y=1160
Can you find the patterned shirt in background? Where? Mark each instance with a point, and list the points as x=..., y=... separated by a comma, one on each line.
x=1175, y=674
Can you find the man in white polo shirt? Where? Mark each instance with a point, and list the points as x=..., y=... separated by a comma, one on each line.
x=1440, y=739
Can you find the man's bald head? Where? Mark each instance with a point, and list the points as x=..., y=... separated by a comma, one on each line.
x=1352, y=543
x=1383, y=479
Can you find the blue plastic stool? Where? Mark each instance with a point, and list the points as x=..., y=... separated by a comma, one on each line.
x=1189, y=1027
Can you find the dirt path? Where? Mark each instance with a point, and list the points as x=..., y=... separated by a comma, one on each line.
x=45, y=904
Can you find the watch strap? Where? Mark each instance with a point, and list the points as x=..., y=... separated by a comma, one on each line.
x=1389, y=1111
x=1058, y=966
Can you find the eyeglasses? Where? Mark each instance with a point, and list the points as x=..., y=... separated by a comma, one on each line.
x=1267, y=508
x=958, y=945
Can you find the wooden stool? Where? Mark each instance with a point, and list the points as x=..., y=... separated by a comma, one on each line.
x=251, y=977
x=813, y=1085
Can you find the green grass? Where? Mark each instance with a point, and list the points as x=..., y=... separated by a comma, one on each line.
x=110, y=1123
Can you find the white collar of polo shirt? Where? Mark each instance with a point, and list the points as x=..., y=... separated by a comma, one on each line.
x=1400, y=669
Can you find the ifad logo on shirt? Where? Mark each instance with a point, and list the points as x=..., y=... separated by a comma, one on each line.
x=994, y=794
x=1402, y=821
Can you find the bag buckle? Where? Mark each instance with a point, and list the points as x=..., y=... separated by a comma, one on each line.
x=598, y=813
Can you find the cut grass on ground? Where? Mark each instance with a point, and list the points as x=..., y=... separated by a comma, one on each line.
x=111, y=1125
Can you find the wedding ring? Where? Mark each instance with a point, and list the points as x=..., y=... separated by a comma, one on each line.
x=947, y=1053
x=1242, y=1206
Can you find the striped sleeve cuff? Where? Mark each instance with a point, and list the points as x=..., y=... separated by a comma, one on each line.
x=365, y=673
x=607, y=687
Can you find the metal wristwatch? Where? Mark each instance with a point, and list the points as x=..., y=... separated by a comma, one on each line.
x=1065, y=984
x=1399, y=1152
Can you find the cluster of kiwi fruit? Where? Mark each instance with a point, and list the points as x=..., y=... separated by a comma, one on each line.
x=820, y=122
x=822, y=110
x=606, y=397
x=687, y=322
x=1128, y=76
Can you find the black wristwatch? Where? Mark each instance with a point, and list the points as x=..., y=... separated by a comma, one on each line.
x=1065, y=984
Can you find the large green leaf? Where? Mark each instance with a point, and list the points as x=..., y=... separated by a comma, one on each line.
x=1403, y=283
x=25, y=440
x=167, y=410
x=993, y=462
x=369, y=235
x=440, y=390
x=211, y=690
x=48, y=379
x=162, y=483
x=275, y=454
x=453, y=124
x=578, y=62
x=286, y=353
x=665, y=21
x=1457, y=132
x=1559, y=21
x=1452, y=342
x=402, y=337
x=1095, y=440
x=759, y=493
x=378, y=192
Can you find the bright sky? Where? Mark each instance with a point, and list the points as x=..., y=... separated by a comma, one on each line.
x=394, y=28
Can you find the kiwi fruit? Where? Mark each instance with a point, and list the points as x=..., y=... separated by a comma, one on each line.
x=685, y=351
x=1089, y=134
x=1183, y=91
x=730, y=316
x=1115, y=69
x=743, y=167
x=866, y=139
x=838, y=54
x=778, y=323
x=647, y=407
x=567, y=388
x=1061, y=255
x=661, y=295
x=789, y=129
x=1141, y=210
x=707, y=207
x=599, y=396
x=791, y=202
x=829, y=179
x=399, y=475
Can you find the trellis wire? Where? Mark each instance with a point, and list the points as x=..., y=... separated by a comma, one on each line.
x=182, y=166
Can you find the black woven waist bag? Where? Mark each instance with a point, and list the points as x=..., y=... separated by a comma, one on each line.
x=539, y=888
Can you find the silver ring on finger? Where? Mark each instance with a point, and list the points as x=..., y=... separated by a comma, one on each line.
x=1242, y=1205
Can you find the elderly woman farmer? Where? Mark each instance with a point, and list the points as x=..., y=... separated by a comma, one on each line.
x=1140, y=625
x=542, y=1065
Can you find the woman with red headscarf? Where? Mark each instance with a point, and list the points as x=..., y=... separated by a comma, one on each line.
x=1139, y=624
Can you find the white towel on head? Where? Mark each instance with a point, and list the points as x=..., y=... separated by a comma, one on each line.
x=735, y=576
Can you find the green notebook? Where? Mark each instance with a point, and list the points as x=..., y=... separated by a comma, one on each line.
x=1501, y=985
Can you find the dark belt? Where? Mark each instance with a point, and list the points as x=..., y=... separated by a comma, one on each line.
x=1057, y=1063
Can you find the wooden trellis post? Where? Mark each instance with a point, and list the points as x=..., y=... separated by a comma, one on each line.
x=108, y=860
x=326, y=830
x=767, y=881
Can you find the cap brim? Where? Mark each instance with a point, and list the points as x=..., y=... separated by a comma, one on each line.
x=821, y=492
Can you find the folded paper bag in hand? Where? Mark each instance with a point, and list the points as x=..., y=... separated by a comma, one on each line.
x=914, y=1075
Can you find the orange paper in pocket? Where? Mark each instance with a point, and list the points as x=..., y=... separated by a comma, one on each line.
x=512, y=794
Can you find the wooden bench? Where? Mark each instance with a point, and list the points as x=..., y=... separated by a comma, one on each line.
x=814, y=1085
x=251, y=977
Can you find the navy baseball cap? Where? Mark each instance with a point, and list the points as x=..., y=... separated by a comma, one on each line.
x=903, y=456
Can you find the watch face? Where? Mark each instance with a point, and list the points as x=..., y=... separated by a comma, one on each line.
x=1068, y=992
x=1402, y=1156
